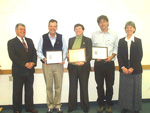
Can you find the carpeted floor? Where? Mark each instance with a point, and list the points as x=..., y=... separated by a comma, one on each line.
x=93, y=108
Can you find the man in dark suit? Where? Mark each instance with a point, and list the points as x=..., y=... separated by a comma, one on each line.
x=79, y=70
x=23, y=55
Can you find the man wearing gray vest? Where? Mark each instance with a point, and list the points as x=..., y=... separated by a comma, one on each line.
x=52, y=41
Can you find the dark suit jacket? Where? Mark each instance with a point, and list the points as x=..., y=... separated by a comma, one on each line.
x=136, y=54
x=20, y=57
x=87, y=44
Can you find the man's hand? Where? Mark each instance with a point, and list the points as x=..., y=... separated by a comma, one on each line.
x=79, y=63
x=108, y=59
x=63, y=62
x=45, y=60
x=29, y=65
x=98, y=59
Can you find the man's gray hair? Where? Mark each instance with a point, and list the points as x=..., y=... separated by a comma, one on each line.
x=19, y=24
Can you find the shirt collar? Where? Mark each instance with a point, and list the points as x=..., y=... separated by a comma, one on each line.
x=20, y=38
x=79, y=37
x=51, y=37
x=106, y=32
x=132, y=38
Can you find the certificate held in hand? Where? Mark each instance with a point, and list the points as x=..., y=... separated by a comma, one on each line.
x=77, y=55
x=54, y=57
x=99, y=52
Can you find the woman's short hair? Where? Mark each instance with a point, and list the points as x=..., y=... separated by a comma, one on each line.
x=77, y=25
x=131, y=24
x=102, y=17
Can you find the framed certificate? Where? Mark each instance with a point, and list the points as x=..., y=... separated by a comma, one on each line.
x=54, y=57
x=99, y=52
x=77, y=55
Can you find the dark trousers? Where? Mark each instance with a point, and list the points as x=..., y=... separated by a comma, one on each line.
x=80, y=73
x=18, y=83
x=104, y=71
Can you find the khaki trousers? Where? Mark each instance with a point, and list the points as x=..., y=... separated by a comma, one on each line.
x=53, y=72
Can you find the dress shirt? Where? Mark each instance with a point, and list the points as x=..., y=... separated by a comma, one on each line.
x=108, y=39
x=23, y=39
x=129, y=44
x=53, y=40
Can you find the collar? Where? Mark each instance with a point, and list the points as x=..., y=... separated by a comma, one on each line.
x=20, y=38
x=79, y=37
x=132, y=38
x=51, y=37
x=106, y=32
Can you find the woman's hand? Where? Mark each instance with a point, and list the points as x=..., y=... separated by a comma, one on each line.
x=125, y=70
x=130, y=70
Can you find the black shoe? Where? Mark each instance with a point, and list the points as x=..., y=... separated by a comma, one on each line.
x=70, y=110
x=32, y=110
x=59, y=110
x=136, y=112
x=124, y=111
x=100, y=109
x=85, y=111
x=17, y=111
x=50, y=110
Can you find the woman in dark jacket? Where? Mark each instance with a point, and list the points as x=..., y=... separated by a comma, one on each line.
x=79, y=70
x=130, y=54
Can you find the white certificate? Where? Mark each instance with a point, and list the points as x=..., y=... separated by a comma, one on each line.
x=54, y=57
x=77, y=55
x=99, y=52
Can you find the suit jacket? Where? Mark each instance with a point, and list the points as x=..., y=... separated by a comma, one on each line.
x=20, y=56
x=87, y=44
x=136, y=54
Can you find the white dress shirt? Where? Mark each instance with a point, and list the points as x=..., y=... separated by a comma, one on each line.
x=23, y=39
x=129, y=44
x=108, y=39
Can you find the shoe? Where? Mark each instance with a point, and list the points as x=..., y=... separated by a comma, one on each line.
x=108, y=109
x=100, y=109
x=32, y=111
x=70, y=110
x=85, y=111
x=59, y=110
x=124, y=111
x=17, y=111
x=1, y=109
x=50, y=110
x=136, y=112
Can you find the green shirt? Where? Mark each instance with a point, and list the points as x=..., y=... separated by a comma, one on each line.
x=77, y=42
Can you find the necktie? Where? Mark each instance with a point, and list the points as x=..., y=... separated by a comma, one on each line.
x=24, y=44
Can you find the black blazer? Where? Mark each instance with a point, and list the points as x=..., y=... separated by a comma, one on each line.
x=20, y=56
x=136, y=54
x=87, y=44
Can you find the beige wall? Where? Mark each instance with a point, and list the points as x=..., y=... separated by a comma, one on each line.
x=35, y=14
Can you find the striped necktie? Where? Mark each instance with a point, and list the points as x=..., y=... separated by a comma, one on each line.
x=24, y=44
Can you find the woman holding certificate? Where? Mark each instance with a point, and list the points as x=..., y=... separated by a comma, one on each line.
x=80, y=47
x=129, y=57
